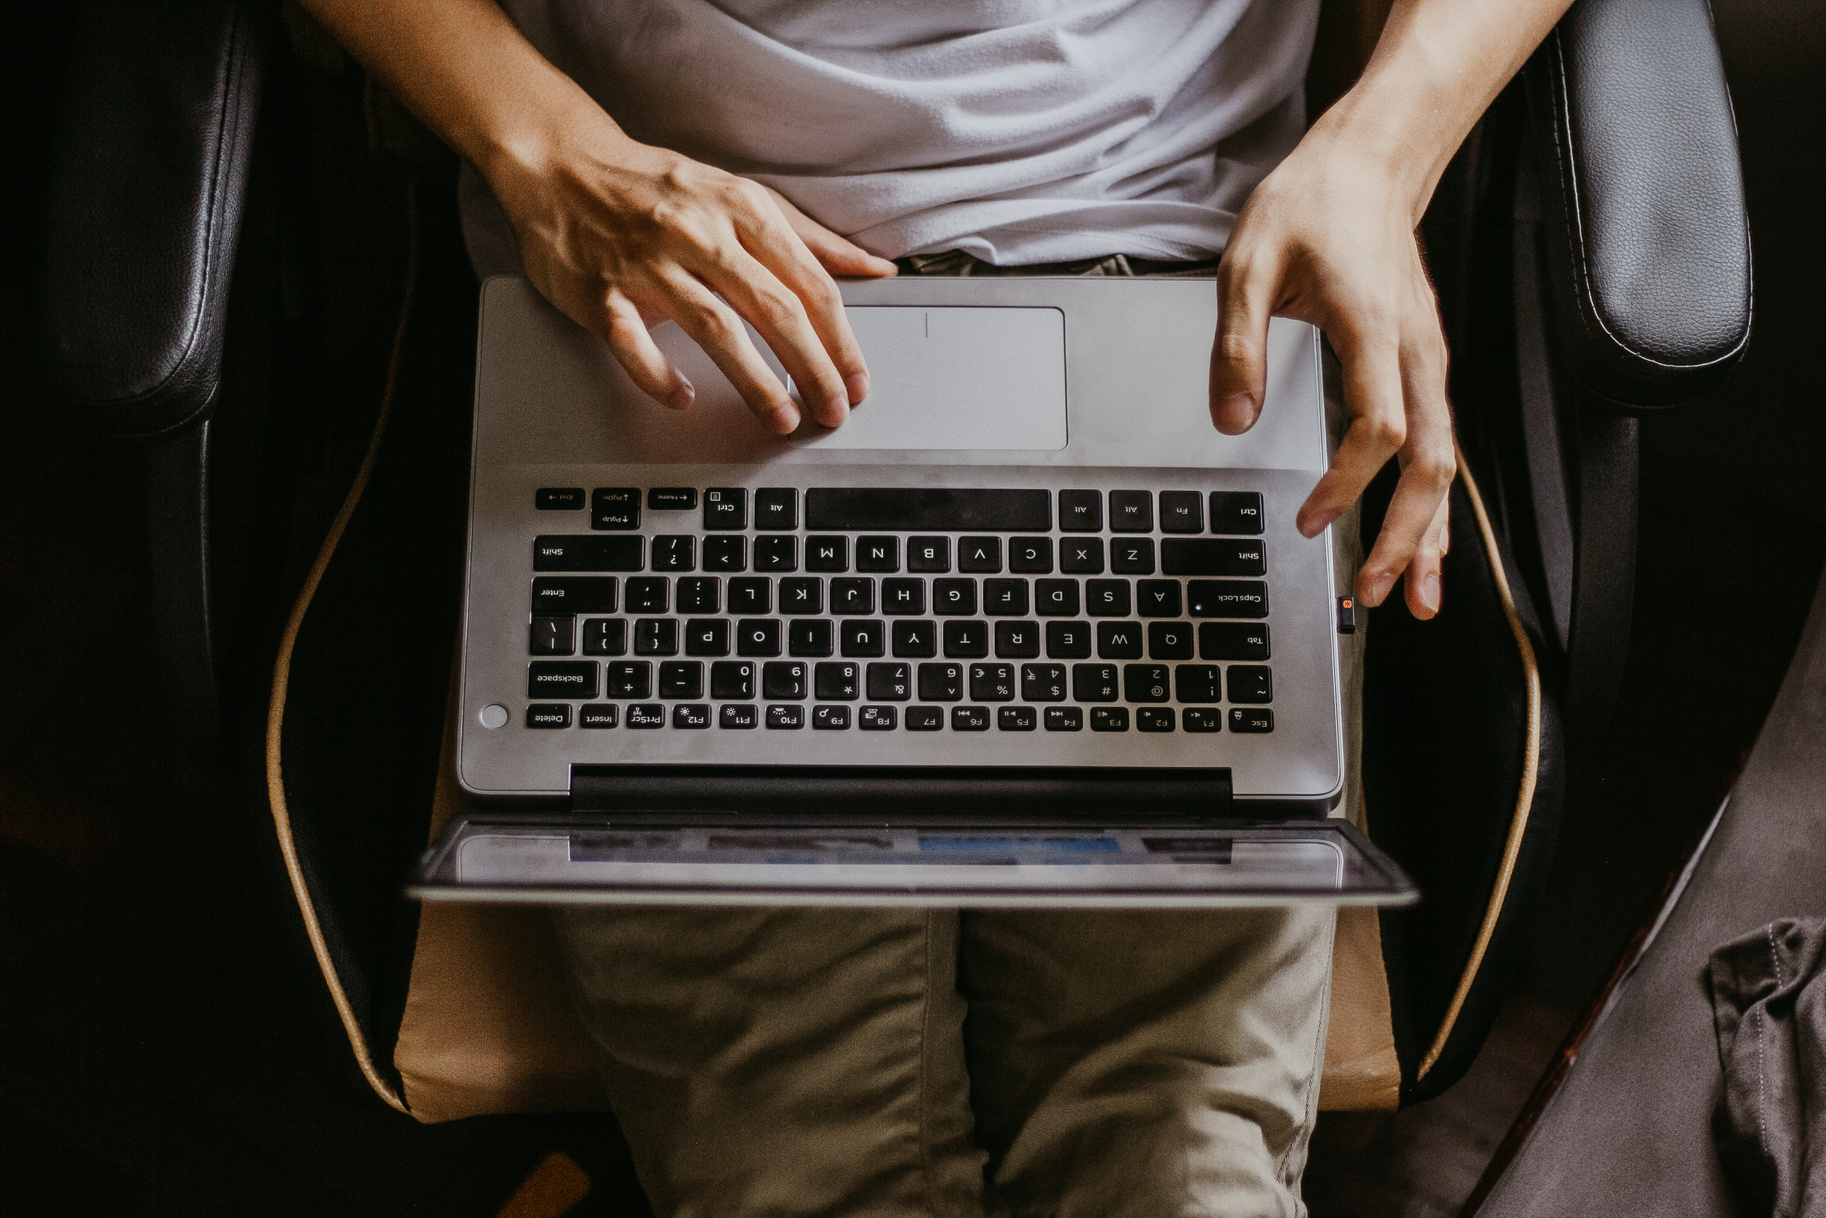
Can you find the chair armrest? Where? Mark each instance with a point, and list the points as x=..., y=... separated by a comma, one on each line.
x=143, y=209
x=1648, y=243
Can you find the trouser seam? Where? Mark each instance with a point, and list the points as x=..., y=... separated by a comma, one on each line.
x=1307, y=1097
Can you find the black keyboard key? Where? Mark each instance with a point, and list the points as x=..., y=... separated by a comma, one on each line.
x=1030, y=555
x=1131, y=511
x=776, y=507
x=915, y=640
x=1081, y=555
x=863, y=637
x=1080, y=511
x=707, y=636
x=787, y=718
x=966, y=640
x=681, y=679
x=1251, y=683
x=890, y=682
x=941, y=682
x=1197, y=683
x=726, y=507
x=615, y=507
x=548, y=715
x=836, y=681
x=811, y=638
x=1132, y=555
x=1015, y=718
x=699, y=594
x=1119, y=640
x=757, y=636
x=903, y=596
x=992, y=682
x=1154, y=719
x=1212, y=556
x=893, y=509
x=552, y=635
x=830, y=718
x=726, y=553
x=1146, y=683
x=598, y=715
x=732, y=679
x=1157, y=597
x=690, y=715
x=753, y=594
x=671, y=498
x=1043, y=683
x=1109, y=718
x=876, y=718
x=1201, y=719
x=979, y=555
x=929, y=555
x=783, y=679
x=776, y=554
x=1068, y=640
x=630, y=679
x=561, y=553
x=1005, y=597
x=1064, y=718
x=1251, y=720
x=1233, y=641
x=1182, y=512
x=738, y=717
x=970, y=718
x=1236, y=512
x=561, y=679
x=647, y=595
x=646, y=715
x=1226, y=598
x=856, y=595
x=878, y=554
x=1094, y=683
x=675, y=553
x=802, y=594
x=655, y=636
x=830, y=554
x=605, y=636
x=925, y=718
x=1017, y=640
x=577, y=594
x=1169, y=640
x=1055, y=597
x=558, y=498
x=1107, y=597
x=954, y=596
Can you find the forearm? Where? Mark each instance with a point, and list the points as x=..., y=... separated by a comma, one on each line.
x=1438, y=65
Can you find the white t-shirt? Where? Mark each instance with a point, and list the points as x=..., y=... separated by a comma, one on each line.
x=1021, y=131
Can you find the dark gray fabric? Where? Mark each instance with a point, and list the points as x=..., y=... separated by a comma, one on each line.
x=1630, y=1132
x=1769, y=1007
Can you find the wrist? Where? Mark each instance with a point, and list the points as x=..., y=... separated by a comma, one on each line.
x=525, y=143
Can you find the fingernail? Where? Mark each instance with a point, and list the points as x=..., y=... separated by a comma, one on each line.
x=858, y=385
x=1429, y=593
x=1377, y=589
x=682, y=396
x=1235, y=413
x=1310, y=525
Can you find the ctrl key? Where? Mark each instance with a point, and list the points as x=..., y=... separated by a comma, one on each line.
x=548, y=715
x=1248, y=719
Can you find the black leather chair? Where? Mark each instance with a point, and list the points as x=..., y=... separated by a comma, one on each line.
x=1591, y=250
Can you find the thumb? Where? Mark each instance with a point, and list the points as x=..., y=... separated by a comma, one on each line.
x=1239, y=363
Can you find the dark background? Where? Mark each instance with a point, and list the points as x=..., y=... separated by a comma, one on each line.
x=152, y=1055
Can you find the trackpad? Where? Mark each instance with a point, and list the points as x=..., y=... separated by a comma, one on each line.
x=955, y=378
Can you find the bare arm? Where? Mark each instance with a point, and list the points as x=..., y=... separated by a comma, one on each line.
x=618, y=234
x=1328, y=237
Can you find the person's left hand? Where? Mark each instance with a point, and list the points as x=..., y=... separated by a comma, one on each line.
x=1328, y=238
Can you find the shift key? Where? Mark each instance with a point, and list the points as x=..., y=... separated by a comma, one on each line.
x=1211, y=556
x=569, y=552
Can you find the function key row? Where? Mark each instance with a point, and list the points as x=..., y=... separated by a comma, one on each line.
x=909, y=509
x=690, y=715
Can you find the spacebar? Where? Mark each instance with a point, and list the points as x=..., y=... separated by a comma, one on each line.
x=900, y=508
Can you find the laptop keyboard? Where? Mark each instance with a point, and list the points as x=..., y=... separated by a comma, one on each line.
x=900, y=609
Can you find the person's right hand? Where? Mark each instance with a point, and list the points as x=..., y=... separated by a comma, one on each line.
x=622, y=236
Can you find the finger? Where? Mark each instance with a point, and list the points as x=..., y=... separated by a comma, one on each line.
x=781, y=318
x=646, y=365
x=1424, y=576
x=1239, y=362
x=714, y=326
x=1428, y=464
x=837, y=254
x=1371, y=365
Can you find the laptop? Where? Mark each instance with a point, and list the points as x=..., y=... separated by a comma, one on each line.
x=1024, y=631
